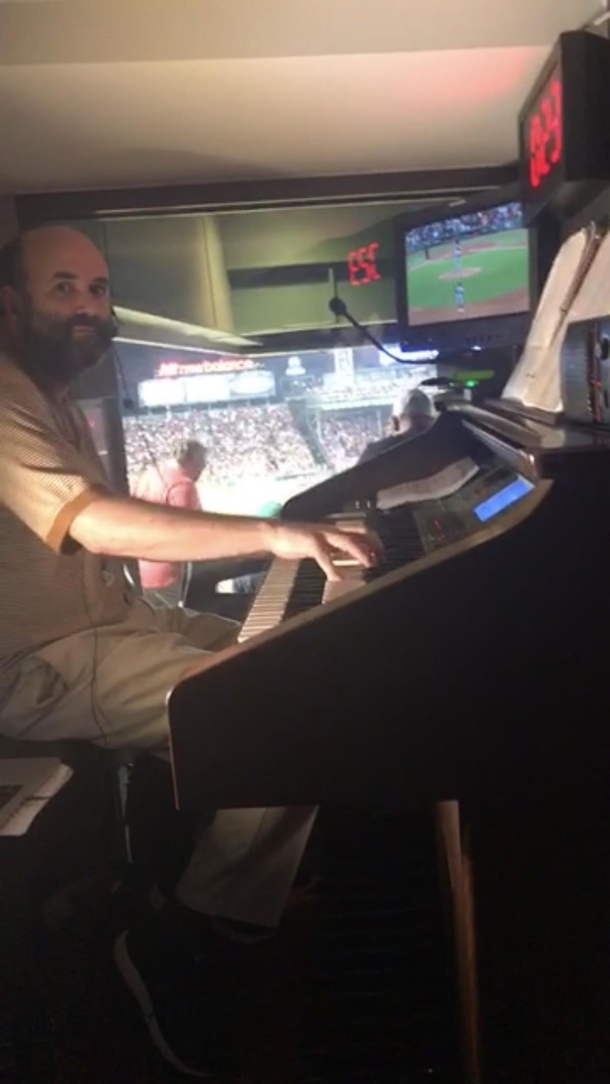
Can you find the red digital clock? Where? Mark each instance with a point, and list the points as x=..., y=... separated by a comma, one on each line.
x=564, y=127
x=545, y=133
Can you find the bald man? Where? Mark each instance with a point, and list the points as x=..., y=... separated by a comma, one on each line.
x=412, y=414
x=81, y=658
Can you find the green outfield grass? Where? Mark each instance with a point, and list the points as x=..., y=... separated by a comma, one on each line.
x=504, y=267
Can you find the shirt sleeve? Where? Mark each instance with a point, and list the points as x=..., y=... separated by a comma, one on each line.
x=44, y=480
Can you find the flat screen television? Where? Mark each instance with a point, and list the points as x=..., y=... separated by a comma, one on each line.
x=464, y=268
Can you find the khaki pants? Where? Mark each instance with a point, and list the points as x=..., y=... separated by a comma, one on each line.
x=110, y=686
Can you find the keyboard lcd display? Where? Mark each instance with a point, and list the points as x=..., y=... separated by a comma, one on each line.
x=502, y=499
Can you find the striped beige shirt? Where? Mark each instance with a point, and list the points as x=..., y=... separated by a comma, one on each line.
x=49, y=472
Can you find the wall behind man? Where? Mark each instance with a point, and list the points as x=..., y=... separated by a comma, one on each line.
x=8, y=219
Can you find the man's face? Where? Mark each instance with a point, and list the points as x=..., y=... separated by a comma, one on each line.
x=63, y=319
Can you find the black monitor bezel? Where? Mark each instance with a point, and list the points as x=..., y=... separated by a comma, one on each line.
x=488, y=329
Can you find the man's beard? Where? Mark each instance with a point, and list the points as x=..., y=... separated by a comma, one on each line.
x=55, y=355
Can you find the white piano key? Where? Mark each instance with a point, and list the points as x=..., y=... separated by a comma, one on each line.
x=269, y=606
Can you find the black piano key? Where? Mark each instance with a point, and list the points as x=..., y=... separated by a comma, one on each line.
x=401, y=542
x=400, y=538
x=307, y=590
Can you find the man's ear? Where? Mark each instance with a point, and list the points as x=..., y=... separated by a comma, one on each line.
x=10, y=302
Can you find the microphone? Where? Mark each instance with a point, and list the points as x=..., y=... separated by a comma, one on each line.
x=338, y=307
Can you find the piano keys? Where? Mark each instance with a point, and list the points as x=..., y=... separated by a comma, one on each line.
x=407, y=532
x=291, y=588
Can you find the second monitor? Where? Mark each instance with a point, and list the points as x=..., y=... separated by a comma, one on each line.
x=469, y=266
x=464, y=269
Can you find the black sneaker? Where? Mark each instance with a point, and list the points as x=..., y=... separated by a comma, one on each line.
x=198, y=1006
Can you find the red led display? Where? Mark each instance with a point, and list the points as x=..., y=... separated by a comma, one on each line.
x=362, y=265
x=544, y=133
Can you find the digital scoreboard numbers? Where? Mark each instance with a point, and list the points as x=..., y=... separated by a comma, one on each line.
x=564, y=127
x=362, y=265
x=545, y=134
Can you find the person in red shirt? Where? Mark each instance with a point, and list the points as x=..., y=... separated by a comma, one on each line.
x=174, y=483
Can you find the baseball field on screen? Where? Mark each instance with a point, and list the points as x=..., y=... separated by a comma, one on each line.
x=492, y=272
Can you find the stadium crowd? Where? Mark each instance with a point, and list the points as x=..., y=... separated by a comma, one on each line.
x=242, y=442
x=264, y=441
x=508, y=217
x=344, y=435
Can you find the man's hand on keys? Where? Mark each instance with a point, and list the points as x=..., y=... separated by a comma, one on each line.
x=332, y=547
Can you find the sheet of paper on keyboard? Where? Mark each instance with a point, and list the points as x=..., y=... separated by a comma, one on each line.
x=435, y=487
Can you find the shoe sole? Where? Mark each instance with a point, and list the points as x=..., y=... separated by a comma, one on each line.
x=136, y=984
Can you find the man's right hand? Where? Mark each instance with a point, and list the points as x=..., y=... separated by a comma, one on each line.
x=319, y=541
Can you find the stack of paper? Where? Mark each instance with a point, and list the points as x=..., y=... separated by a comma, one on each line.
x=536, y=381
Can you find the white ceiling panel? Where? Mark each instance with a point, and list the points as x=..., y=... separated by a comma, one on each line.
x=167, y=91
